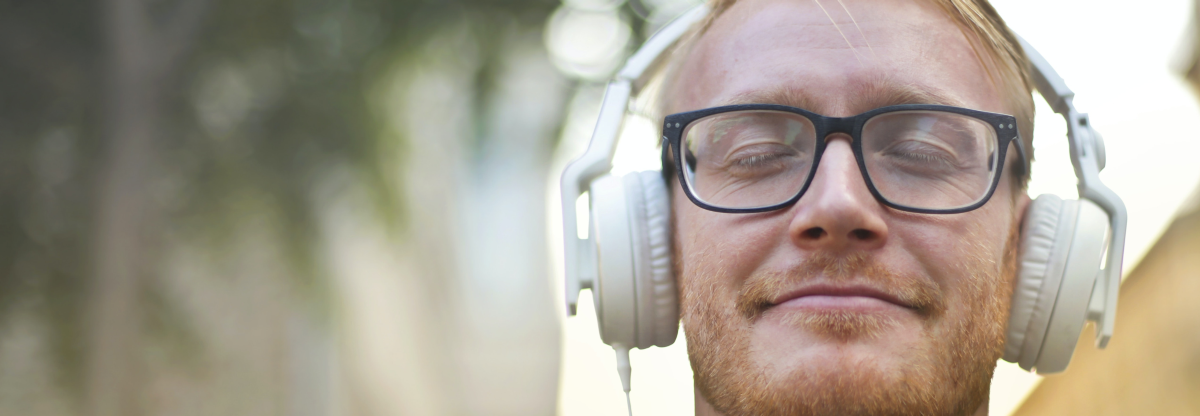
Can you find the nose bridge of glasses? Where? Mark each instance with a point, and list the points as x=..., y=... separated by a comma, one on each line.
x=846, y=174
x=837, y=127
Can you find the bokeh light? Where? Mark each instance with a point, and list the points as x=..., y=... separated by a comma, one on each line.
x=587, y=44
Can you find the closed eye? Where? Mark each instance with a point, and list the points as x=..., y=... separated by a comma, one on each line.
x=921, y=154
x=758, y=160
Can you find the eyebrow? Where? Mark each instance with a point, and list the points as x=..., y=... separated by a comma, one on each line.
x=878, y=93
x=881, y=94
x=784, y=96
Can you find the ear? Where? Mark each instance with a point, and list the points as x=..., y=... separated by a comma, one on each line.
x=1021, y=206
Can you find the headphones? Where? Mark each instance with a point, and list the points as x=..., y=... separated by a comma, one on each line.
x=626, y=259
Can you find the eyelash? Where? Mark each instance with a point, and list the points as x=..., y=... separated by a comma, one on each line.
x=922, y=157
x=758, y=159
x=936, y=160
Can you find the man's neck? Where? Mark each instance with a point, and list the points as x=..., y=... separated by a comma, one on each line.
x=705, y=409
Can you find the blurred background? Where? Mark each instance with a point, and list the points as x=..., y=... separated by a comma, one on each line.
x=349, y=207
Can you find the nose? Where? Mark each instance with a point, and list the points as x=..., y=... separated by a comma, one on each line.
x=838, y=212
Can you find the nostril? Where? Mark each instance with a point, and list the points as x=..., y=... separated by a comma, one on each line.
x=862, y=234
x=814, y=233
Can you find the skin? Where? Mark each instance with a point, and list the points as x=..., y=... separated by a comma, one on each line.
x=821, y=349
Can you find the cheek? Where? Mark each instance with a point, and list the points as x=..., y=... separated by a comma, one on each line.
x=722, y=248
x=962, y=253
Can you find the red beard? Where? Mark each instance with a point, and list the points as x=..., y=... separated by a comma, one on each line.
x=950, y=375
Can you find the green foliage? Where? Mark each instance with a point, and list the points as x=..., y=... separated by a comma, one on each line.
x=48, y=131
x=270, y=100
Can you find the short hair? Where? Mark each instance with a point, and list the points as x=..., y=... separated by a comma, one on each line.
x=1004, y=60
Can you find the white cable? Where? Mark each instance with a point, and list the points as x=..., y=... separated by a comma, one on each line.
x=624, y=370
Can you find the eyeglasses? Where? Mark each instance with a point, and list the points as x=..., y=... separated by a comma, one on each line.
x=931, y=159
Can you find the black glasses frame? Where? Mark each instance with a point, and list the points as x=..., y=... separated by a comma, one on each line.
x=675, y=124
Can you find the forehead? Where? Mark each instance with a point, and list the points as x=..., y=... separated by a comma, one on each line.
x=833, y=57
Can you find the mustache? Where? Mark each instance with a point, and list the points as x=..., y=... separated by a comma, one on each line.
x=916, y=291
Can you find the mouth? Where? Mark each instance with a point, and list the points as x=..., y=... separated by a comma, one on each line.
x=850, y=298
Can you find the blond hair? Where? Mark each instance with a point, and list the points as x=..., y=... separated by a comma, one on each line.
x=1004, y=59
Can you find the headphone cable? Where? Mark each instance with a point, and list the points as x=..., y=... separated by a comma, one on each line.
x=624, y=370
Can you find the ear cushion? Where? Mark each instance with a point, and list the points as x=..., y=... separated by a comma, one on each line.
x=1039, y=234
x=1075, y=293
x=634, y=291
x=1061, y=247
x=658, y=309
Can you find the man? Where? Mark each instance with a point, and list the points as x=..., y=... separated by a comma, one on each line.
x=845, y=301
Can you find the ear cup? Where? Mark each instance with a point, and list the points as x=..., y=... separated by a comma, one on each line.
x=658, y=310
x=636, y=298
x=1038, y=237
x=1061, y=247
x=614, y=290
x=1079, y=279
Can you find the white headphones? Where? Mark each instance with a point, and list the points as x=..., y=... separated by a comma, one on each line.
x=626, y=260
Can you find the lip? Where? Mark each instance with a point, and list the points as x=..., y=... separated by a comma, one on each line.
x=826, y=295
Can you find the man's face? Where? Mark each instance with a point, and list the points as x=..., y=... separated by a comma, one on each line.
x=837, y=304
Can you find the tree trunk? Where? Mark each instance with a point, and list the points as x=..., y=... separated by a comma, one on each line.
x=141, y=61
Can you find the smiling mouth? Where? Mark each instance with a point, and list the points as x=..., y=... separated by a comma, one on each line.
x=850, y=294
x=836, y=298
x=863, y=291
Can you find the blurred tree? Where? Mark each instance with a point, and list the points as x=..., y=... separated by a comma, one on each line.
x=125, y=121
x=144, y=57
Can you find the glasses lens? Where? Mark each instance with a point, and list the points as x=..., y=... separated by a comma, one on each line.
x=748, y=159
x=930, y=159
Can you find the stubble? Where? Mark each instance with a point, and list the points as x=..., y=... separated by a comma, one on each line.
x=949, y=375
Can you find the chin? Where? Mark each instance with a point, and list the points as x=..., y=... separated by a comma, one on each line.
x=841, y=329
x=837, y=342
x=838, y=361
x=860, y=376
